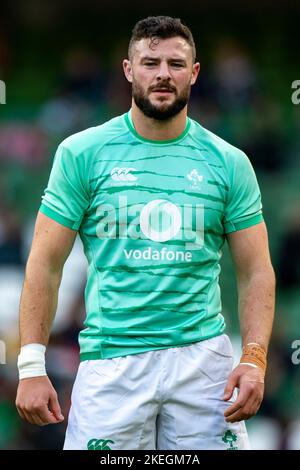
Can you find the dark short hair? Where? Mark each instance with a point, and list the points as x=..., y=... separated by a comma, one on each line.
x=163, y=27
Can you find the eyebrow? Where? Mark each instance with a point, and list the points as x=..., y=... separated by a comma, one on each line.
x=157, y=59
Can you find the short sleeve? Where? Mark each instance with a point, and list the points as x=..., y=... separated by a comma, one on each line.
x=243, y=207
x=66, y=197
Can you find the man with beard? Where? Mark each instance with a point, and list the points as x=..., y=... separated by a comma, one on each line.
x=156, y=366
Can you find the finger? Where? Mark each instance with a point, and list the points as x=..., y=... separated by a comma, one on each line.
x=245, y=412
x=253, y=403
x=242, y=413
x=254, y=407
x=21, y=414
x=37, y=420
x=230, y=386
x=241, y=400
x=239, y=403
x=259, y=401
x=38, y=414
x=239, y=415
x=46, y=416
x=29, y=417
x=55, y=408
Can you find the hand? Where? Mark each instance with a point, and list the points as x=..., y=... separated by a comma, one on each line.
x=37, y=401
x=250, y=381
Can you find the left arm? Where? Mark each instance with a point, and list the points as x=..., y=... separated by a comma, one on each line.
x=256, y=298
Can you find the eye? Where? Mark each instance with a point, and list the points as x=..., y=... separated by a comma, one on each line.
x=177, y=65
x=150, y=64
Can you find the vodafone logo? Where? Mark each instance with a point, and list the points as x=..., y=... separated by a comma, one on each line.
x=123, y=174
x=160, y=220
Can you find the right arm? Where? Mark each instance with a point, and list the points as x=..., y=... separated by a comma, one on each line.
x=36, y=398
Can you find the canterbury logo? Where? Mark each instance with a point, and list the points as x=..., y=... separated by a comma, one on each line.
x=99, y=444
x=123, y=174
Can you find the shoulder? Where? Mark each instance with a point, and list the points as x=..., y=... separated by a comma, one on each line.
x=93, y=138
x=226, y=153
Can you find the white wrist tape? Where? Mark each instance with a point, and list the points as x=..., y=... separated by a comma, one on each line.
x=31, y=361
x=249, y=364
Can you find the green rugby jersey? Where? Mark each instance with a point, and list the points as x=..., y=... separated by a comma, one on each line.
x=152, y=216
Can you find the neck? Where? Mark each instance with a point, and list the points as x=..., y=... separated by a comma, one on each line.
x=153, y=129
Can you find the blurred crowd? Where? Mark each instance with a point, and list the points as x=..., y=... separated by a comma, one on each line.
x=232, y=100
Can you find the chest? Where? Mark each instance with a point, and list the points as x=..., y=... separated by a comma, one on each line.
x=157, y=193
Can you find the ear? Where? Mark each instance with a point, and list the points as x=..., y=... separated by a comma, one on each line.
x=127, y=69
x=195, y=72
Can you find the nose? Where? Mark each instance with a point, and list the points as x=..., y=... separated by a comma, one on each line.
x=163, y=72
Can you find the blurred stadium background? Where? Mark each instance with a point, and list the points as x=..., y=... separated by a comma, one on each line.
x=61, y=62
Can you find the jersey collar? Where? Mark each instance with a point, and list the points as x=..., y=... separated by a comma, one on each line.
x=130, y=125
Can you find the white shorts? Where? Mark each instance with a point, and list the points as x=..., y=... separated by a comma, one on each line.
x=168, y=399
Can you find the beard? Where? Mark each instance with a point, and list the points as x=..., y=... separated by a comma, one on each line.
x=162, y=113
